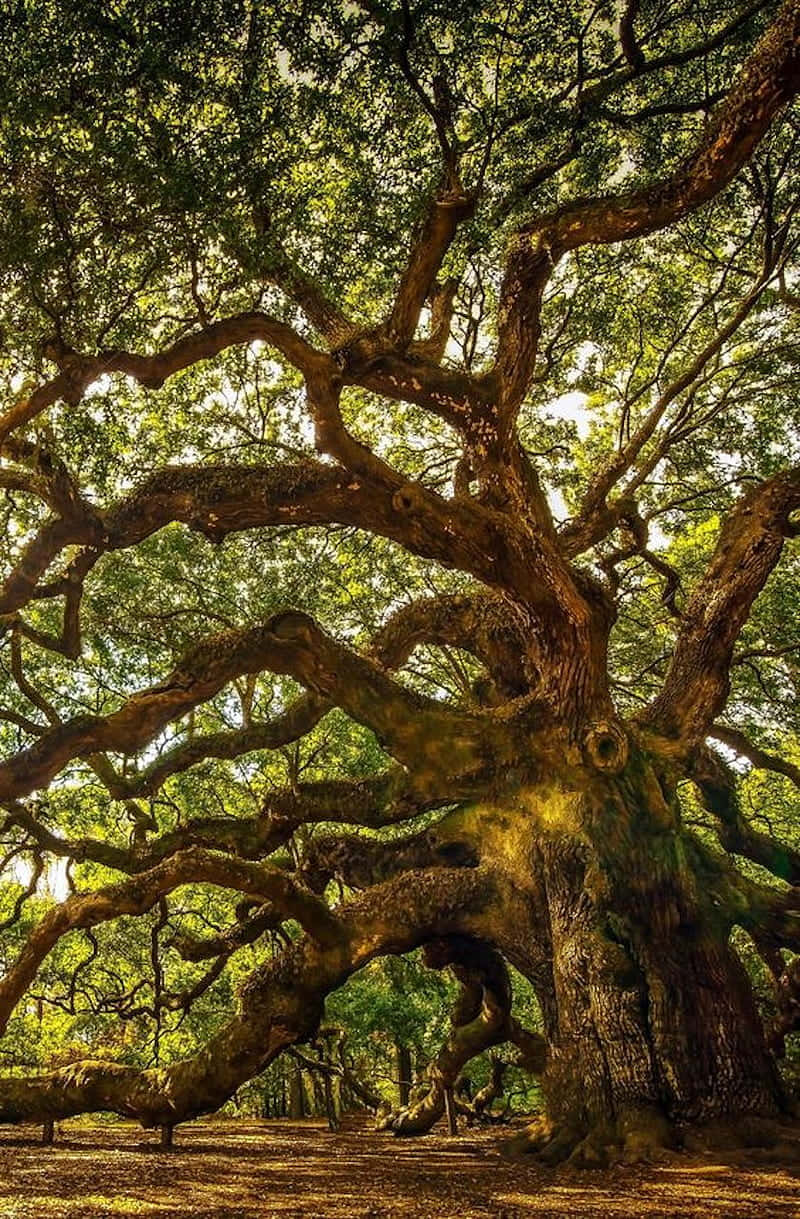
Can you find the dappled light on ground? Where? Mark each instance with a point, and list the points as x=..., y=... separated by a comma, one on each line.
x=244, y=1170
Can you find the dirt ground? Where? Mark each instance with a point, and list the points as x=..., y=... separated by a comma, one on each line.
x=244, y=1170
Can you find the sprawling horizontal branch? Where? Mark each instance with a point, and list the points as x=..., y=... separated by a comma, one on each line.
x=217, y=501
x=279, y=1005
x=248, y=928
x=413, y=728
x=379, y=800
x=299, y=718
x=362, y=862
x=750, y=544
x=769, y=79
x=139, y=894
x=716, y=783
x=151, y=371
x=489, y=626
x=478, y=622
x=770, y=916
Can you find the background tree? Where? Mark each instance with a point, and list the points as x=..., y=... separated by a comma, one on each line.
x=472, y=338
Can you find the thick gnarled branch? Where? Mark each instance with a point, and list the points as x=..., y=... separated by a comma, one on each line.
x=750, y=543
x=279, y=1005
x=768, y=80
x=140, y=894
x=151, y=371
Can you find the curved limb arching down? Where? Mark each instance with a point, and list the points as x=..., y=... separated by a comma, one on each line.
x=479, y=1108
x=481, y=1019
x=280, y=1004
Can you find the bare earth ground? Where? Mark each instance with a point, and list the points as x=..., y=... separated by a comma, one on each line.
x=248, y=1169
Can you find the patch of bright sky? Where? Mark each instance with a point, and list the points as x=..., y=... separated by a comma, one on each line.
x=53, y=881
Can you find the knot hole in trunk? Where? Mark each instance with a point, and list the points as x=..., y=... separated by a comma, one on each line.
x=605, y=746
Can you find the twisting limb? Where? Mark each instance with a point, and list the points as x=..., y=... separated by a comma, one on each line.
x=448, y=209
x=750, y=544
x=768, y=80
x=289, y=643
x=485, y=1097
x=481, y=1019
x=735, y=739
x=379, y=800
x=279, y=1005
x=78, y=372
x=480, y=623
x=635, y=538
x=369, y=1099
x=248, y=928
x=297, y=721
x=141, y=893
x=716, y=783
x=476, y=622
x=369, y=494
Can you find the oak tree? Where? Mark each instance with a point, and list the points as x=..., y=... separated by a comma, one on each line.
x=403, y=394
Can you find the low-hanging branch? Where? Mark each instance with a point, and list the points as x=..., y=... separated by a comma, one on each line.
x=559, y=843
x=140, y=893
x=289, y=643
x=280, y=1004
x=481, y=1019
x=376, y=801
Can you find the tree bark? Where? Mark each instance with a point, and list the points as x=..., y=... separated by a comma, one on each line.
x=650, y=1019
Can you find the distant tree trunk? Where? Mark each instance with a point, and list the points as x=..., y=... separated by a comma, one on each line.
x=404, y=1073
x=318, y=1105
x=330, y=1104
x=296, y=1094
x=450, y=1111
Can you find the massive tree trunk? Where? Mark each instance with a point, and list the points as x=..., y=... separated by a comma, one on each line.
x=650, y=1019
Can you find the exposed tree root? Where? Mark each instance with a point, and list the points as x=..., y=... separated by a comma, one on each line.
x=648, y=1137
x=639, y=1136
